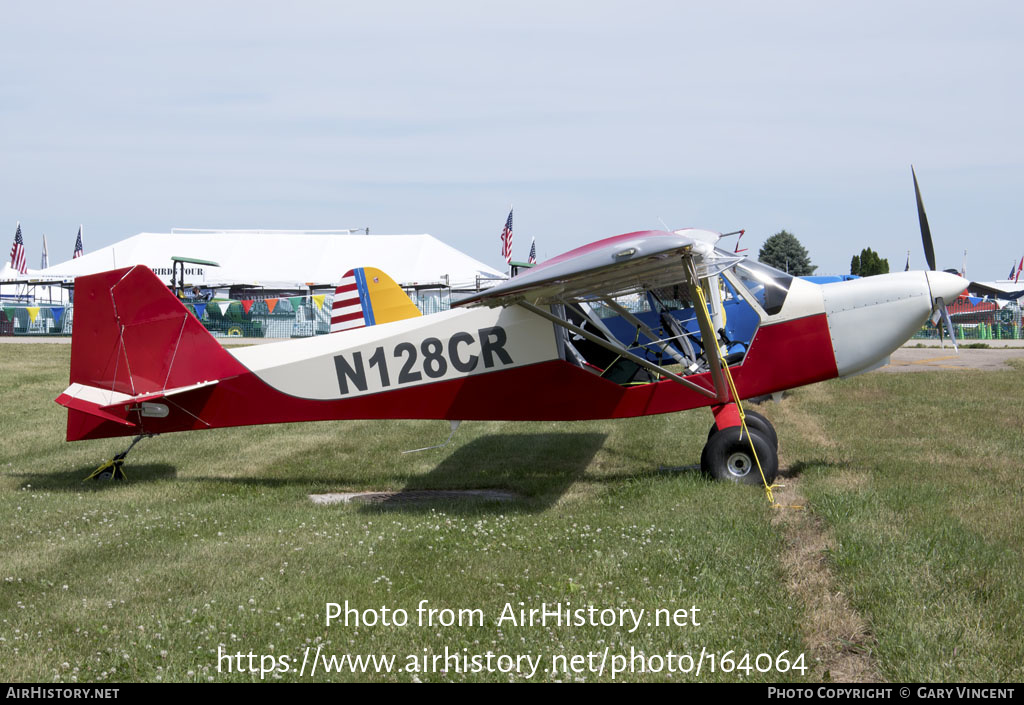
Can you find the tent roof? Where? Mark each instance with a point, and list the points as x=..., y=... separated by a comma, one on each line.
x=283, y=258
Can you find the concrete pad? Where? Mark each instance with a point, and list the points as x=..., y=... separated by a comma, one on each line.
x=414, y=496
x=922, y=359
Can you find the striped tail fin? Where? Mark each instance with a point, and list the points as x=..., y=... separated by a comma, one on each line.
x=367, y=296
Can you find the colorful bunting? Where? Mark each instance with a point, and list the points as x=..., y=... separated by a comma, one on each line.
x=33, y=312
x=57, y=312
x=247, y=304
x=318, y=299
x=200, y=310
x=271, y=304
x=224, y=306
x=296, y=302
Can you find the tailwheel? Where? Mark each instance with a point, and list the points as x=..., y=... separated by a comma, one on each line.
x=727, y=456
x=113, y=469
x=110, y=470
x=757, y=423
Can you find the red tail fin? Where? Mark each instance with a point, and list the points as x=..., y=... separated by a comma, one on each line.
x=133, y=337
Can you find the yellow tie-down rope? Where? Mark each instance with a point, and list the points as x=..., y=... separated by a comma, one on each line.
x=735, y=395
x=743, y=423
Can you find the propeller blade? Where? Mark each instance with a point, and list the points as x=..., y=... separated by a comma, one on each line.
x=926, y=233
x=947, y=322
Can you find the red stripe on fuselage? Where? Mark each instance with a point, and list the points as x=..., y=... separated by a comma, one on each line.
x=781, y=356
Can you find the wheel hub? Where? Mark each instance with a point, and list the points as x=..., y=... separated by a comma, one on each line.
x=739, y=464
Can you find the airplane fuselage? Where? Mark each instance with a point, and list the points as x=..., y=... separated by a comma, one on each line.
x=152, y=368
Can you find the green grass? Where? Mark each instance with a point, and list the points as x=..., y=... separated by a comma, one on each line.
x=923, y=494
x=962, y=344
x=212, y=541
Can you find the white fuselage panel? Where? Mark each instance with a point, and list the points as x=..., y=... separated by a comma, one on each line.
x=412, y=352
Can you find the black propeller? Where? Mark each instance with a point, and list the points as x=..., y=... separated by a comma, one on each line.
x=922, y=217
x=939, y=312
x=929, y=253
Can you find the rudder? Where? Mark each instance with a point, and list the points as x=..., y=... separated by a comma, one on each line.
x=133, y=337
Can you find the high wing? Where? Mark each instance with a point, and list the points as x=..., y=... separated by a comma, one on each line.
x=618, y=266
x=615, y=266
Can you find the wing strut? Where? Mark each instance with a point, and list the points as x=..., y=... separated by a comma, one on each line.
x=707, y=334
x=597, y=340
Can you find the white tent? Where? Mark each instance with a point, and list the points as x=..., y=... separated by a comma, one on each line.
x=1006, y=285
x=283, y=259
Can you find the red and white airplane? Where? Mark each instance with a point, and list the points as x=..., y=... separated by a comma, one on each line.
x=533, y=348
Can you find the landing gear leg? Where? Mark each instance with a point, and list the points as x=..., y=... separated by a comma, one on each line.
x=113, y=469
x=755, y=422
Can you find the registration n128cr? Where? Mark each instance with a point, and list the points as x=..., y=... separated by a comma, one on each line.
x=407, y=353
x=407, y=363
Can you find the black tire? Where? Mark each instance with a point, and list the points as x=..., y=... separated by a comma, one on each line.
x=105, y=475
x=727, y=456
x=757, y=423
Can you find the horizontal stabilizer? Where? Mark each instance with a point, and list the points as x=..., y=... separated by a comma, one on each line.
x=94, y=402
x=114, y=406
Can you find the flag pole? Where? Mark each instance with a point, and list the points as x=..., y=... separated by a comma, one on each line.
x=509, y=262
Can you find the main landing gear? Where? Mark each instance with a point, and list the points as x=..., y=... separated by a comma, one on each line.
x=734, y=454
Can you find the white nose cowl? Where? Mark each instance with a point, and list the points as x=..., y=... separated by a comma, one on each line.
x=869, y=318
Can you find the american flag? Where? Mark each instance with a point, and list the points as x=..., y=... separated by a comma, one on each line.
x=532, y=259
x=506, y=239
x=79, y=250
x=1019, y=268
x=18, y=260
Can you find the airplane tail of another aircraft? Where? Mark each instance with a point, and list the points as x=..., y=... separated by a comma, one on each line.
x=133, y=346
x=367, y=296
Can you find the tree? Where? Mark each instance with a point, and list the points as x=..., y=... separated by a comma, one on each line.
x=783, y=251
x=868, y=263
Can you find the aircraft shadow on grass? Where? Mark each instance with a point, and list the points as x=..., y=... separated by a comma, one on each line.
x=74, y=480
x=532, y=471
x=528, y=472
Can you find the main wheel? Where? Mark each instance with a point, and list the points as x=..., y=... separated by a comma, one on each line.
x=758, y=423
x=727, y=456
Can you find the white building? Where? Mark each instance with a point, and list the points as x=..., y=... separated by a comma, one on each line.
x=282, y=259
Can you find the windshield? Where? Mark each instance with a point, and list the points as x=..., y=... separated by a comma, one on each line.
x=767, y=284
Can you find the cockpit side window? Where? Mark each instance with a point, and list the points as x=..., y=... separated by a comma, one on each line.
x=767, y=284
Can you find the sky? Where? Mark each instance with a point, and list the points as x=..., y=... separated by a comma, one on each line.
x=590, y=119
